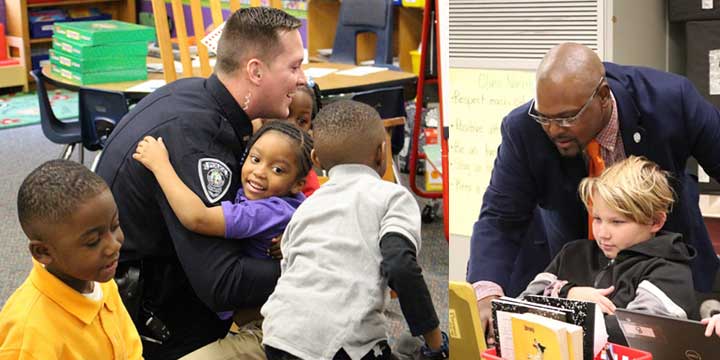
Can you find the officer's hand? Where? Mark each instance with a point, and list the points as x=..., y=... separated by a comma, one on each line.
x=485, y=310
x=598, y=296
x=152, y=153
x=274, y=250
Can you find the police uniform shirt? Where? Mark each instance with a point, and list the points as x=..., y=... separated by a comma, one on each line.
x=205, y=132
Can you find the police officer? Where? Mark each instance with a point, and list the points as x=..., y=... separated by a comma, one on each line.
x=175, y=280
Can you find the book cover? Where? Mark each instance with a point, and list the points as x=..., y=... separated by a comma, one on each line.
x=584, y=314
x=539, y=338
x=502, y=310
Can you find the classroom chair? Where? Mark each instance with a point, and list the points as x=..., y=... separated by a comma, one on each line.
x=100, y=111
x=66, y=132
x=363, y=16
x=467, y=339
x=165, y=43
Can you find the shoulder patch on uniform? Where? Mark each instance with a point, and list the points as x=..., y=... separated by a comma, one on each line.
x=215, y=178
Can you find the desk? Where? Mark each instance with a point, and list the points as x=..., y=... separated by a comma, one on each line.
x=330, y=84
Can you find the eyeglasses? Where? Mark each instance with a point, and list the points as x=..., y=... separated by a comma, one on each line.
x=562, y=121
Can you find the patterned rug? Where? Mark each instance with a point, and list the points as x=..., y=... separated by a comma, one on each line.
x=22, y=109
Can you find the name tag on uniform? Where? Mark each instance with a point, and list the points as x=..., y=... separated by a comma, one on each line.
x=215, y=178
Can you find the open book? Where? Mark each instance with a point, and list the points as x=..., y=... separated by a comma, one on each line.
x=502, y=311
x=584, y=314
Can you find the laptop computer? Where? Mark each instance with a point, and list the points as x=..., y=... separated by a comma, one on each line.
x=667, y=338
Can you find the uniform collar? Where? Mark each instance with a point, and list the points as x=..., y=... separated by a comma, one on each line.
x=66, y=297
x=230, y=108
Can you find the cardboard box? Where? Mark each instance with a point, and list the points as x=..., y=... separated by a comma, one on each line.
x=93, y=64
x=99, y=77
x=106, y=32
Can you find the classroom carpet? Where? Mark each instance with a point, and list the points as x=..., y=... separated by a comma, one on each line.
x=21, y=109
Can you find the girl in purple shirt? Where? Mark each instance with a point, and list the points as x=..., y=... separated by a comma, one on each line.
x=275, y=164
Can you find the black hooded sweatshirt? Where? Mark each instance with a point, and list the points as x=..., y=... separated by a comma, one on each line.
x=653, y=276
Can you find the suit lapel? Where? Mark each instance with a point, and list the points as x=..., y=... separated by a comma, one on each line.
x=633, y=133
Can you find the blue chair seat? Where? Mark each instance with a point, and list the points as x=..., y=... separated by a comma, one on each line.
x=66, y=132
x=363, y=16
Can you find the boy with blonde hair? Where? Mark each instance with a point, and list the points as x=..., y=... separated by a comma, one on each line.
x=69, y=306
x=632, y=263
x=346, y=245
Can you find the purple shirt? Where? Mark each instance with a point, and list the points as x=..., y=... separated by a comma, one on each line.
x=258, y=221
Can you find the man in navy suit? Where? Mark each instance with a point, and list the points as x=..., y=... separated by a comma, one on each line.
x=531, y=207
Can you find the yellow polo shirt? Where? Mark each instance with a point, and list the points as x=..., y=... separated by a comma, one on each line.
x=47, y=319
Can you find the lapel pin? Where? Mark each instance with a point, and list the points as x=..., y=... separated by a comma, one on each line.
x=637, y=137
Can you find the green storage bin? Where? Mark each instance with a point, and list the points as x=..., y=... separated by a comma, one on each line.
x=80, y=64
x=99, y=77
x=103, y=32
x=120, y=49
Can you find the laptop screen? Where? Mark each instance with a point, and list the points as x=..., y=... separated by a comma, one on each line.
x=667, y=338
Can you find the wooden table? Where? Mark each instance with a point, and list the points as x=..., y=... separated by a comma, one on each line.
x=330, y=84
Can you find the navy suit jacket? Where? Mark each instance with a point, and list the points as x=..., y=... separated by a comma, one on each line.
x=531, y=207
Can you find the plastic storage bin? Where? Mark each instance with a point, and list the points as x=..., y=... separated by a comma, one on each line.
x=622, y=352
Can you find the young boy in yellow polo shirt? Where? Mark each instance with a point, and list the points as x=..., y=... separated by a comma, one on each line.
x=69, y=306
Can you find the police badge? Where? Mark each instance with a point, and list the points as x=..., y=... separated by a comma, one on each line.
x=214, y=177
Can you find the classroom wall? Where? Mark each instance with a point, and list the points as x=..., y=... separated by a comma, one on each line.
x=479, y=99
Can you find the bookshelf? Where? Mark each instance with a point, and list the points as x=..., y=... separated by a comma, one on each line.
x=18, y=21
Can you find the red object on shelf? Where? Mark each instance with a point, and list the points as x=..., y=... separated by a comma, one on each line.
x=620, y=351
x=3, y=43
x=7, y=62
x=431, y=136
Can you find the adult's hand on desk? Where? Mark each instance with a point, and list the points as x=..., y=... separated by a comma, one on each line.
x=598, y=296
x=485, y=311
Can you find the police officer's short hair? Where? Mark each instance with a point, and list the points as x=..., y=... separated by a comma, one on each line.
x=53, y=191
x=252, y=32
x=302, y=140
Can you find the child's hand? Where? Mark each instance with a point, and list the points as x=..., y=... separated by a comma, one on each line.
x=713, y=325
x=598, y=296
x=152, y=153
x=274, y=250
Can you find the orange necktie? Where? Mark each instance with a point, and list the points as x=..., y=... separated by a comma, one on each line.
x=596, y=165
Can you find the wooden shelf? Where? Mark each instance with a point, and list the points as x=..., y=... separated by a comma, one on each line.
x=68, y=3
x=18, y=22
x=41, y=40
